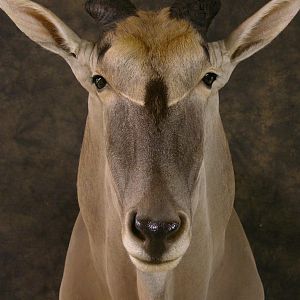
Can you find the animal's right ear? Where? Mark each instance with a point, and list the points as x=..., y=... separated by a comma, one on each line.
x=260, y=29
x=42, y=26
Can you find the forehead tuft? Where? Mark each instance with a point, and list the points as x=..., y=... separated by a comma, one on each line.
x=156, y=29
x=151, y=45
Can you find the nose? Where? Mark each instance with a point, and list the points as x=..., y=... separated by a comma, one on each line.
x=156, y=238
x=151, y=231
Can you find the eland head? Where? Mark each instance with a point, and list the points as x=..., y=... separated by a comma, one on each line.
x=155, y=168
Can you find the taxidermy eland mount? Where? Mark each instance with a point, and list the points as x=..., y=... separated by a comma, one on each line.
x=155, y=180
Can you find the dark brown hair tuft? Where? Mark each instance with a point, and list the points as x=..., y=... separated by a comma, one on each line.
x=156, y=100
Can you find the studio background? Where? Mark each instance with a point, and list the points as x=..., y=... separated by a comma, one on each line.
x=42, y=117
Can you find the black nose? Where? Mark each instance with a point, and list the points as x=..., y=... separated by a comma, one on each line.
x=148, y=230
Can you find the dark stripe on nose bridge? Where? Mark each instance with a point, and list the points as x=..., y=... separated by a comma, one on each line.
x=156, y=100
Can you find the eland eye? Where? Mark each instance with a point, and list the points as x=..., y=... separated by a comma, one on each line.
x=209, y=79
x=99, y=82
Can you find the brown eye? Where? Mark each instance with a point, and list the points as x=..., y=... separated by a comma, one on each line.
x=99, y=82
x=209, y=79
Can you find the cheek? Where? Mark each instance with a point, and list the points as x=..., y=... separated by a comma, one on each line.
x=187, y=141
x=189, y=158
x=120, y=144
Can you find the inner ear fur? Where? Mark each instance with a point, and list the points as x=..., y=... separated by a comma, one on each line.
x=42, y=26
x=52, y=29
x=261, y=28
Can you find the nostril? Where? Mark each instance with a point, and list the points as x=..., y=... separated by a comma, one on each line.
x=172, y=228
x=136, y=228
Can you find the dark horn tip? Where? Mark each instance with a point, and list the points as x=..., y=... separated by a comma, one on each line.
x=107, y=12
x=199, y=13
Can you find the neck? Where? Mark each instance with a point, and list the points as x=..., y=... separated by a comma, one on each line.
x=155, y=286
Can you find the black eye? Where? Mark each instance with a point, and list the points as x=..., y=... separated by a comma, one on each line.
x=209, y=79
x=99, y=82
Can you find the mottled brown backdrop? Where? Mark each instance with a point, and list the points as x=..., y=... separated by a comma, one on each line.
x=43, y=111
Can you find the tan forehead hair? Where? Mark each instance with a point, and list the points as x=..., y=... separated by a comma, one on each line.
x=152, y=45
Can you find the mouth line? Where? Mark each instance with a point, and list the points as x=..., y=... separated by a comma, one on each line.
x=155, y=262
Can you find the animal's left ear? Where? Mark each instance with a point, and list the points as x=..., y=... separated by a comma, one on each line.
x=42, y=26
x=260, y=29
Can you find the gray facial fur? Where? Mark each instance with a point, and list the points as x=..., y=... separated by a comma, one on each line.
x=159, y=164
